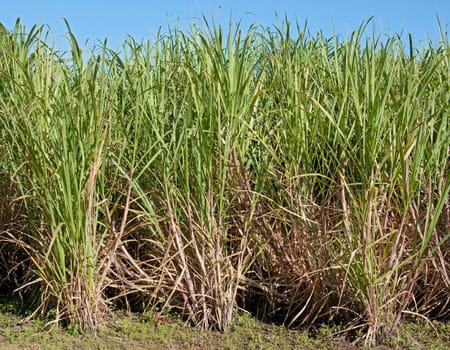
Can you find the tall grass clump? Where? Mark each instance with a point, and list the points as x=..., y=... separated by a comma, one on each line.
x=358, y=157
x=190, y=99
x=302, y=178
x=55, y=122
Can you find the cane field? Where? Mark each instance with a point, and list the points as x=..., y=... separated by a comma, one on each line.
x=215, y=174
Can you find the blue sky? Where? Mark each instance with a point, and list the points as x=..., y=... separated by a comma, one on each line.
x=95, y=20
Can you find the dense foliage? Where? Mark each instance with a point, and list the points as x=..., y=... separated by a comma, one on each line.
x=300, y=177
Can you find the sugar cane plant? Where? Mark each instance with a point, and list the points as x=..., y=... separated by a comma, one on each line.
x=300, y=177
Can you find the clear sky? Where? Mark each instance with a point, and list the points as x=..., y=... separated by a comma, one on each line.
x=98, y=19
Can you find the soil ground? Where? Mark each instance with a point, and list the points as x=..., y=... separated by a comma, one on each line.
x=133, y=332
